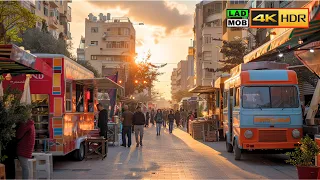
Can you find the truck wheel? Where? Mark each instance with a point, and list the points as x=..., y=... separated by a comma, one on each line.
x=236, y=151
x=79, y=153
x=228, y=146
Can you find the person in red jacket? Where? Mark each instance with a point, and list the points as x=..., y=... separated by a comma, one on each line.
x=26, y=137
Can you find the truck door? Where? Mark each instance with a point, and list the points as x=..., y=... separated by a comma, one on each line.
x=230, y=110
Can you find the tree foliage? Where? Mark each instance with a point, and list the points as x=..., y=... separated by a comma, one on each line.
x=145, y=74
x=11, y=112
x=38, y=41
x=305, y=154
x=181, y=94
x=233, y=52
x=14, y=19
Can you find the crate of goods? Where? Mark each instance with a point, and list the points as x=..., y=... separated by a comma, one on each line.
x=211, y=136
x=32, y=169
x=2, y=171
x=44, y=165
x=197, y=130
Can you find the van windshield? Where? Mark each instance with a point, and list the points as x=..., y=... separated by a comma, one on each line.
x=270, y=97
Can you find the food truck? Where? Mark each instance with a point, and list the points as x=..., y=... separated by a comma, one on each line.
x=261, y=108
x=64, y=104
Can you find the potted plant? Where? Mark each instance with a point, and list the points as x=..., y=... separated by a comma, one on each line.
x=303, y=157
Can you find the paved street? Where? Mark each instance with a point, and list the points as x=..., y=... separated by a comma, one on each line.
x=175, y=156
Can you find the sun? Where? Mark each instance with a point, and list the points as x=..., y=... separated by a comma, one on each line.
x=142, y=52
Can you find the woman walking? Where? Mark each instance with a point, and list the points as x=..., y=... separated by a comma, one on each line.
x=159, y=120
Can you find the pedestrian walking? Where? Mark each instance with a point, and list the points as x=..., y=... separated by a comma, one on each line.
x=177, y=117
x=184, y=115
x=164, y=116
x=102, y=120
x=138, y=122
x=152, y=116
x=159, y=120
x=147, y=119
x=171, y=120
x=127, y=117
x=195, y=115
x=26, y=136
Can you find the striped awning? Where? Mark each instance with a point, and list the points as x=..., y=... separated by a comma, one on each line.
x=15, y=60
x=289, y=39
x=203, y=89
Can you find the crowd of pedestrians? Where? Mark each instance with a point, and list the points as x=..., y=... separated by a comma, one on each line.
x=135, y=122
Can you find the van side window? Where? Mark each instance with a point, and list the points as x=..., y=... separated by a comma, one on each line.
x=237, y=99
x=68, y=96
x=225, y=99
x=218, y=99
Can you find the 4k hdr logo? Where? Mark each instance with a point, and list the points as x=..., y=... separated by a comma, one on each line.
x=279, y=18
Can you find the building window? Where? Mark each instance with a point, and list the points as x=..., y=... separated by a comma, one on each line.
x=94, y=43
x=208, y=74
x=94, y=29
x=238, y=1
x=68, y=96
x=109, y=44
x=45, y=11
x=207, y=38
x=93, y=57
x=237, y=99
x=207, y=55
x=39, y=5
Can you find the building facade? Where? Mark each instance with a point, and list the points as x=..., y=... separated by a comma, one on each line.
x=207, y=32
x=190, y=60
x=182, y=75
x=56, y=15
x=109, y=44
x=174, y=84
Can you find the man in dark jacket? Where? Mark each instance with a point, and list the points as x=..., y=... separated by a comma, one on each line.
x=127, y=117
x=171, y=121
x=177, y=117
x=138, y=123
x=103, y=120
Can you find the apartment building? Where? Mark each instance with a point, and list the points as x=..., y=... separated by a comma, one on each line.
x=207, y=32
x=55, y=14
x=174, y=84
x=190, y=60
x=109, y=44
x=182, y=75
x=80, y=50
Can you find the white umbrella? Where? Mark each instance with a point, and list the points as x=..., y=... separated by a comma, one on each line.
x=26, y=95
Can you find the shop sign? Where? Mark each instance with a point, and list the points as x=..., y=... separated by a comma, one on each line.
x=22, y=57
x=271, y=120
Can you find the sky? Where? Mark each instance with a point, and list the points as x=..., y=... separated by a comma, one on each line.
x=166, y=32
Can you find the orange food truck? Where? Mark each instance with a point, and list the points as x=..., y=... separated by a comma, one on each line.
x=64, y=104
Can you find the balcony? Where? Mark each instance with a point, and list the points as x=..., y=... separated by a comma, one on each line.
x=53, y=22
x=68, y=14
x=54, y=3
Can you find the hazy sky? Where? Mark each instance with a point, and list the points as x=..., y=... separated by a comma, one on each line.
x=166, y=33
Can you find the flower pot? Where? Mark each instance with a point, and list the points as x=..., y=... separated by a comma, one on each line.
x=305, y=172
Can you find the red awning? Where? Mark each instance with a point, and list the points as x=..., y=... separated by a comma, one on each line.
x=15, y=60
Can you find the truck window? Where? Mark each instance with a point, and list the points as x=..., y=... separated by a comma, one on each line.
x=225, y=99
x=79, y=98
x=284, y=97
x=218, y=99
x=68, y=96
x=237, y=99
x=256, y=97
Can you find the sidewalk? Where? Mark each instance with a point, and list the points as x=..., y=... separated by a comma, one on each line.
x=169, y=156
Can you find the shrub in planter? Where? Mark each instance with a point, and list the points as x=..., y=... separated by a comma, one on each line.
x=303, y=158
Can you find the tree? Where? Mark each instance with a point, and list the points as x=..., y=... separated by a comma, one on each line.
x=41, y=41
x=181, y=94
x=38, y=41
x=233, y=52
x=14, y=19
x=146, y=74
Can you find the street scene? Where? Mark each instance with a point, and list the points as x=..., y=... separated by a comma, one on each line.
x=160, y=89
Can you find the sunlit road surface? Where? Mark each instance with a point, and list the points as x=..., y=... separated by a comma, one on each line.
x=175, y=156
